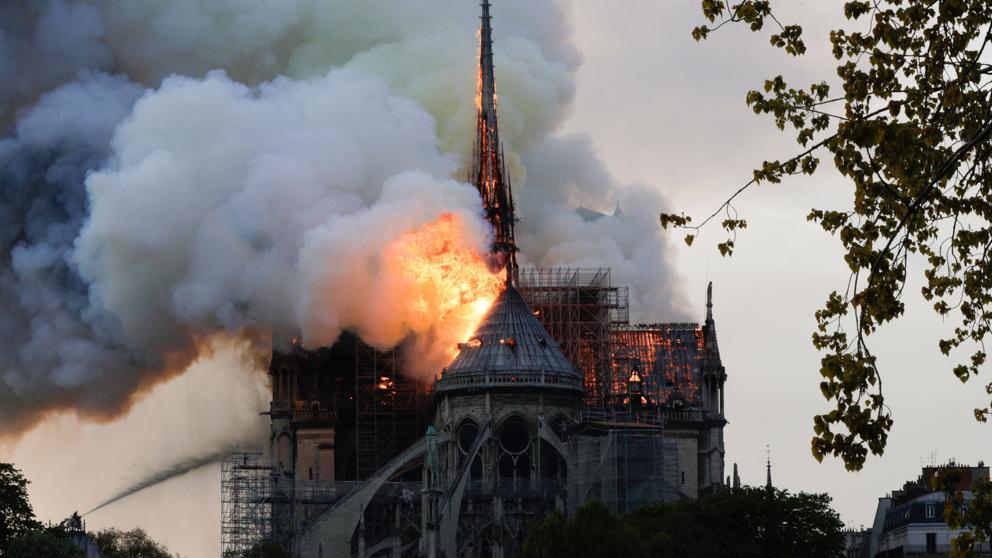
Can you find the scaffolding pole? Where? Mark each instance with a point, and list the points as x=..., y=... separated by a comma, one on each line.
x=388, y=405
x=246, y=501
x=578, y=307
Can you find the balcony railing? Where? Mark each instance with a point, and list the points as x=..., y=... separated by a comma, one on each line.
x=507, y=379
x=653, y=417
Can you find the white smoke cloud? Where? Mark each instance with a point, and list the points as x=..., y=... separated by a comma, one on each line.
x=260, y=196
x=200, y=222
x=621, y=232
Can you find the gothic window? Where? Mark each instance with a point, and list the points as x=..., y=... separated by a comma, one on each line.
x=514, y=467
x=467, y=432
x=514, y=436
x=475, y=472
x=514, y=442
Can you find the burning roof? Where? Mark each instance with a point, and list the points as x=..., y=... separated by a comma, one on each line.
x=510, y=346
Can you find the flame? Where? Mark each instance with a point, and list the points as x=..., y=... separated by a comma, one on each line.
x=478, y=93
x=450, y=284
x=478, y=73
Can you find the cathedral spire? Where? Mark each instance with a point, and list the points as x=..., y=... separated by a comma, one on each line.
x=768, y=465
x=488, y=171
x=713, y=373
x=709, y=303
x=487, y=75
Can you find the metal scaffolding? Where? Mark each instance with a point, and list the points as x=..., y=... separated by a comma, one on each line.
x=388, y=407
x=246, y=501
x=578, y=307
x=377, y=408
x=625, y=466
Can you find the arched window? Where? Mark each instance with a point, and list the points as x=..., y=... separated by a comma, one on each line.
x=514, y=444
x=514, y=436
x=513, y=468
x=465, y=436
x=467, y=432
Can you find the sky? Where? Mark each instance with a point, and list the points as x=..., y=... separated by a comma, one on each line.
x=661, y=111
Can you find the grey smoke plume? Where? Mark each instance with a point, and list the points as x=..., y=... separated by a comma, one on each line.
x=54, y=343
x=277, y=148
x=44, y=44
x=566, y=172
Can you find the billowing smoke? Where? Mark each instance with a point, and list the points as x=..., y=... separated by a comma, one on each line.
x=54, y=342
x=174, y=171
x=564, y=173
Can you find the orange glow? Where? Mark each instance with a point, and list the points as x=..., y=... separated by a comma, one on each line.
x=665, y=361
x=478, y=93
x=452, y=286
x=478, y=75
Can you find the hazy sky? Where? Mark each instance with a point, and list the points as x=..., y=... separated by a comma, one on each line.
x=667, y=111
x=664, y=111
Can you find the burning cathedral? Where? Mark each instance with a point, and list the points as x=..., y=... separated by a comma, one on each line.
x=554, y=399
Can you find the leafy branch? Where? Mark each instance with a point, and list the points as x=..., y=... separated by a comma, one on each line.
x=912, y=133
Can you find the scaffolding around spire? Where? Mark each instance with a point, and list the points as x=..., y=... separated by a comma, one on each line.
x=488, y=168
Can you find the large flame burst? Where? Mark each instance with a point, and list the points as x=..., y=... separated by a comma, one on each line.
x=452, y=285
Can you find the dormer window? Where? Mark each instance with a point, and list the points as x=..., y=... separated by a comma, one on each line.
x=634, y=382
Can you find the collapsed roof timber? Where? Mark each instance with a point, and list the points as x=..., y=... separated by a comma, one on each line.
x=554, y=400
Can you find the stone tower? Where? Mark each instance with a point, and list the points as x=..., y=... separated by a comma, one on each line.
x=496, y=409
x=714, y=375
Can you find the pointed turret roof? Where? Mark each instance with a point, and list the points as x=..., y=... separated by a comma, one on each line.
x=711, y=350
x=510, y=348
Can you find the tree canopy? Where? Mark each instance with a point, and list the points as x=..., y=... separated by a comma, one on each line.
x=43, y=543
x=22, y=536
x=746, y=522
x=910, y=129
x=114, y=543
x=592, y=532
x=972, y=513
x=16, y=514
